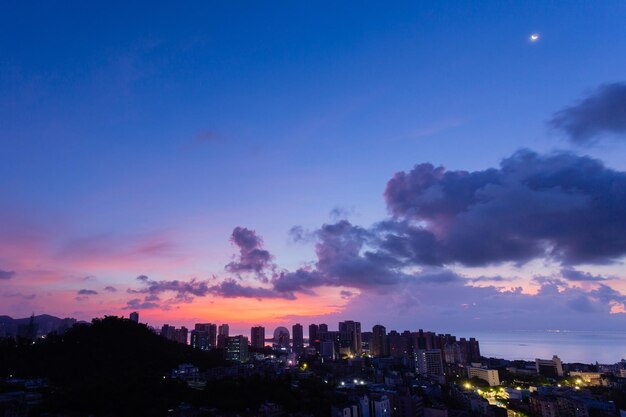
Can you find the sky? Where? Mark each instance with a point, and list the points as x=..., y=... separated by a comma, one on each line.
x=420, y=165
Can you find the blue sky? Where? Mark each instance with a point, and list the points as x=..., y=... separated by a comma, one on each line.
x=124, y=122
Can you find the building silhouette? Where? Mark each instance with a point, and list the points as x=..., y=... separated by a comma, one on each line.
x=378, y=343
x=257, y=337
x=350, y=334
x=222, y=334
x=203, y=336
x=298, y=338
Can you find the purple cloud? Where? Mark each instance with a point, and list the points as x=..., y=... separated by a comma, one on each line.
x=346, y=295
x=185, y=291
x=572, y=274
x=601, y=112
x=109, y=288
x=13, y=294
x=232, y=289
x=87, y=292
x=6, y=274
x=471, y=307
x=138, y=304
x=252, y=257
x=342, y=261
x=560, y=206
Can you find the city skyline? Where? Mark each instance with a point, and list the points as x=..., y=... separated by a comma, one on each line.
x=423, y=166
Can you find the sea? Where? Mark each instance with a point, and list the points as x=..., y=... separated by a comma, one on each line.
x=604, y=347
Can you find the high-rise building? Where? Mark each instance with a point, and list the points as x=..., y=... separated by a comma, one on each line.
x=366, y=340
x=237, y=348
x=134, y=316
x=323, y=327
x=429, y=362
x=211, y=329
x=182, y=335
x=350, y=332
x=400, y=344
x=333, y=337
x=549, y=367
x=204, y=336
x=222, y=335
x=298, y=338
x=167, y=331
x=172, y=333
x=378, y=344
x=314, y=335
x=257, y=337
x=327, y=349
x=473, y=350
x=424, y=340
x=453, y=353
x=199, y=340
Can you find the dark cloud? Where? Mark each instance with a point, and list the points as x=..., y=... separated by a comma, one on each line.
x=183, y=290
x=572, y=274
x=550, y=280
x=232, y=289
x=143, y=278
x=346, y=295
x=342, y=260
x=601, y=112
x=252, y=257
x=438, y=277
x=109, y=288
x=496, y=278
x=186, y=291
x=87, y=292
x=13, y=294
x=608, y=295
x=6, y=274
x=561, y=206
x=138, y=304
x=301, y=280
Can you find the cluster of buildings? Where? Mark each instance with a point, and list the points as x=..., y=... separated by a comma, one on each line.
x=381, y=403
x=555, y=401
x=431, y=352
x=380, y=371
x=428, y=353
